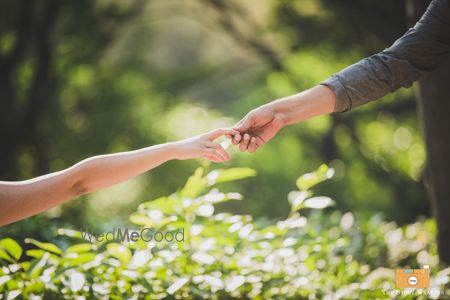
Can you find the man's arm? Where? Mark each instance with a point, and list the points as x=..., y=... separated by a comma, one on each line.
x=419, y=50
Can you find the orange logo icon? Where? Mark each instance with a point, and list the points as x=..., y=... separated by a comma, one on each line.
x=413, y=278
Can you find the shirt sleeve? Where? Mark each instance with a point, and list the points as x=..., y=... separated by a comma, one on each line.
x=421, y=49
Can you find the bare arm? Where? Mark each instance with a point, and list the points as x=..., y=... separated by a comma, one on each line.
x=263, y=123
x=420, y=50
x=22, y=199
x=313, y=102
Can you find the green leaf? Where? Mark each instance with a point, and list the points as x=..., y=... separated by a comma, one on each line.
x=148, y=221
x=234, y=282
x=195, y=185
x=11, y=247
x=80, y=248
x=35, y=287
x=226, y=175
x=13, y=294
x=5, y=256
x=296, y=199
x=178, y=284
x=215, y=197
x=120, y=252
x=36, y=253
x=308, y=180
x=45, y=246
x=37, y=266
x=70, y=233
x=318, y=202
x=145, y=283
x=168, y=205
x=77, y=259
x=4, y=279
x=294, y=221
x=58, y=273
x=140, y=219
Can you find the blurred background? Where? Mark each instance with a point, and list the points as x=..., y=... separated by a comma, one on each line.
x=82, y=78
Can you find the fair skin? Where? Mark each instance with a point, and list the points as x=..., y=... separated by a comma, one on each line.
x=262, y=124
x=22, y=199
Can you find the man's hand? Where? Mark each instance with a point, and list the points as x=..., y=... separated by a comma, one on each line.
x=263, y=123
x=257, y=128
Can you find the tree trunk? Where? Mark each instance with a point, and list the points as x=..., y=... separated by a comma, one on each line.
x=434, y=112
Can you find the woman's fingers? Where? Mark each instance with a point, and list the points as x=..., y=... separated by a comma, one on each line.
x=219, y=149
x=211, y=158
x=244, y=140
x=213, y=155
x=220, y=132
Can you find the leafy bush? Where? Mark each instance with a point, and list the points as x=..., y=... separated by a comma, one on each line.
x=312, y=254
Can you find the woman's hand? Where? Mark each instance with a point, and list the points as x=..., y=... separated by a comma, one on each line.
x=203, y=146
x=22, y=199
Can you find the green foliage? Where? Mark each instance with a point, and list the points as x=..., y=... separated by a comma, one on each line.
x=307, y=181
x=126, y=66
x=49, y=247
x=313, y=253
x=9, y=249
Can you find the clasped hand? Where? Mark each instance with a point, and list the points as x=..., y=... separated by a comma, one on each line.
x=253, y=131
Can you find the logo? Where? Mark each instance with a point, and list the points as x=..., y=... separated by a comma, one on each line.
x=413, y=278
x=129, y=235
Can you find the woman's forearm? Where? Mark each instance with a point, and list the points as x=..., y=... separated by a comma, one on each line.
x=316, y=101
x=22, y=199
x=105, y=170
x=19, y=200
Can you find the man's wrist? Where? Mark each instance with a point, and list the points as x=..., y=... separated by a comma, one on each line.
x=285, y=109
x=302, y=106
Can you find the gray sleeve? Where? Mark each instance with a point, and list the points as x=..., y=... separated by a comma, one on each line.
x=419, y=50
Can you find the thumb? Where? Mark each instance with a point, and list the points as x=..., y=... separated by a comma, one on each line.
x=243, y=125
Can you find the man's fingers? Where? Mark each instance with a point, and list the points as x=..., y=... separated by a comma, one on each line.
x=237, y=138
x=219, y=149
x=244, y=143
x=253, y=146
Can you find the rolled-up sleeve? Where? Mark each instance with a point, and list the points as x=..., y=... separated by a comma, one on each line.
x=419, y=50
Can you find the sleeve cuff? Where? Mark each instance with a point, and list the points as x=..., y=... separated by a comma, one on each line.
x=343, y=102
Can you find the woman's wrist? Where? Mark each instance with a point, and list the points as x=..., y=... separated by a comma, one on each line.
x=172, y=150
